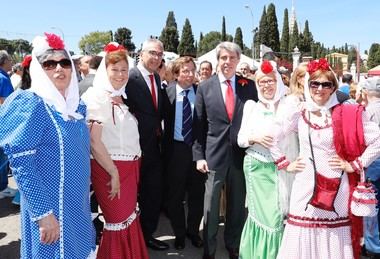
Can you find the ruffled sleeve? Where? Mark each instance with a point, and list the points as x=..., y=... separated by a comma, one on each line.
x=23, y=120
x=99, y=107
x=372, y=141
x=246, y=124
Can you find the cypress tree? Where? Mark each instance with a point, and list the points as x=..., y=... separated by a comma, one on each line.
x=224, y=35
x=272, y=31
x=263, y=28
x=374, y=56
x=186, y=45
x=293, y=42
x=284, y=44
x=123, y=36
x=239, y=38
x=307, y=38
x=169, y=35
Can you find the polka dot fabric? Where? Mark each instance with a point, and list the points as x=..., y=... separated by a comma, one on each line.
x=49, y=158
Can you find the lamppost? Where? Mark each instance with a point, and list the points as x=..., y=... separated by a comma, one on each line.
x=253, y=31
x=60, y=30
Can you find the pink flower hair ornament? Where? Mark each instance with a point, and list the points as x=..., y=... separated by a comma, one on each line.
x=54, y=41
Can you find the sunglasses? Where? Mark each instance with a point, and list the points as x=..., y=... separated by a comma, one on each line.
x=325, y=85
x=52, y=64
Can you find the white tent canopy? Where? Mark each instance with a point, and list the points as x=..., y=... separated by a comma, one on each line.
x=211, y=57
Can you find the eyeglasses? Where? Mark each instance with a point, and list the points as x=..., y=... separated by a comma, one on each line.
x=52, y=64
x=267, y=82
x=154, y=53
x=325, y=85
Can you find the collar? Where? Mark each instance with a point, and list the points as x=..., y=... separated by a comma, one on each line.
x=143, y=70
x=179, y=89
x=223, y=79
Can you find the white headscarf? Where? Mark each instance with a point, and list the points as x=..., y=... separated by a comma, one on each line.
x=44, y=87
x=281, y=89
x=311, y=106
x=101, y=80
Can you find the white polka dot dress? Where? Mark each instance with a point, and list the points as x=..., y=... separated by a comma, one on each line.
x=49, y=158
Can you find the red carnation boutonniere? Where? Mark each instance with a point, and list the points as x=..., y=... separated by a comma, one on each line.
x=266, y=67
x=54, y=41
x=321, y=64
x=26, y=61
x=242, y=82
x=113, y=46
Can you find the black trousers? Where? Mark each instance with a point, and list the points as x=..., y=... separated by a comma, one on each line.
x=150, y=191
x=235, y=210
x=182, y=178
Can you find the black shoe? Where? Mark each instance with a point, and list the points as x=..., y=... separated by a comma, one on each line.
x=156, y=244
x=179, y=243
x=195, y=240
x=208, y=257
x=233, y=253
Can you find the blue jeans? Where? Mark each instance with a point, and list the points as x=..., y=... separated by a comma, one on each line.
x=3, y=170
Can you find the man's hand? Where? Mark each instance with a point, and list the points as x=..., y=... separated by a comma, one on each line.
x=202, y=166
x=49, y=229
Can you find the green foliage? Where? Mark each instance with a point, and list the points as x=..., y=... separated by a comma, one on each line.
x=123, y=36
x=94, y=42
x=294, y=38
x=186, y=45
x=352, y=57
x=209, y=42
x=224, y=36
x=272, y=29
x=306, y=40
x=169, y=35
x=239, y=38
x=284, y=44
x=17, y=49
x=262, y=36
x=374, y=56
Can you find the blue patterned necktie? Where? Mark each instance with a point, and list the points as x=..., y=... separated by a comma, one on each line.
x=187, y=119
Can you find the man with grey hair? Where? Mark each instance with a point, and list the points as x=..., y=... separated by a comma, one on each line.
x=16, y=76
x=145, y=101
x=219, y=105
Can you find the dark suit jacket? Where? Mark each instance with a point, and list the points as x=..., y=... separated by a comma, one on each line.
x=216, y=139
x=140, y=103
x=169, y=119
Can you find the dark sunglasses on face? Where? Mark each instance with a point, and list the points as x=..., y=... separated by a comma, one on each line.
x=52, y=64
x=325, y=85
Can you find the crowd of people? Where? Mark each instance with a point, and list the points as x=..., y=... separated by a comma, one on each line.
x=277, y=155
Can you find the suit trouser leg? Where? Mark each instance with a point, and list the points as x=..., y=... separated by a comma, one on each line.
x=235, y=211
x=195, y=199
x=178, y=165
x=150, y=194
x=213, y=186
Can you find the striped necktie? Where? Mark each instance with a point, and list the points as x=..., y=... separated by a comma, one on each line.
x=187, y=119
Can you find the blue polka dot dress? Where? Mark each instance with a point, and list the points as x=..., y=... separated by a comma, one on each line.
x=49, y=158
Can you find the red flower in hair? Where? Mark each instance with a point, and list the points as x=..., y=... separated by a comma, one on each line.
x=242, y=82
x=266, y=67
x=320, y=64
x=110, y=47
x=26, y=61
x=54, y=41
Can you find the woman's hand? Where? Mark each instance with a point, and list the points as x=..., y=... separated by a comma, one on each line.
x=296, y=166
x=265, y=140
x=337, y=163
x=117, y=100
x=49, y=229
x=115, y=186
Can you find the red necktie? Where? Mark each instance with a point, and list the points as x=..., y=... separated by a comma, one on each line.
x=154, y=98
x=230, y=100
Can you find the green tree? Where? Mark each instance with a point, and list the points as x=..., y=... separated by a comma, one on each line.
x=293, y=42
x=224, y=35
x=209, y=42
x=262, y=37
x=94, y=42
x=239, y=38
x=272, y=32
x=186, y=45
x=284, y=44
x=351, y=57
x=123, y=36
x=373, y=56
x=169, y=35
x=307, y=39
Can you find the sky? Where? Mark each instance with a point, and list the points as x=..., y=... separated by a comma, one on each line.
x=332, y=22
